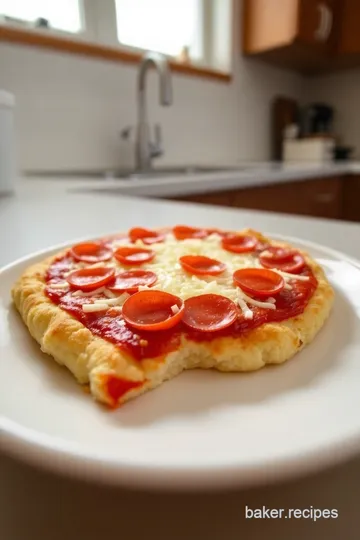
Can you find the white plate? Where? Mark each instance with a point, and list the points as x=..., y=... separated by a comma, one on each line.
x=202, y=429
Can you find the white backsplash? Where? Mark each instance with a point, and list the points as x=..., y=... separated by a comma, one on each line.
x=70, y=109
x=341, y=91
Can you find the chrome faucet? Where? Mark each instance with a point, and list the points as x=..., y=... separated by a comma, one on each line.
x=146, y=150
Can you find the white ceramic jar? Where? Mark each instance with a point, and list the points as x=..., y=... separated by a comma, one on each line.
x=8, y=170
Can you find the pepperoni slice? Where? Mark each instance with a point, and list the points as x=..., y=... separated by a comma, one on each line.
x=153, y=310
x=131, y=280
x=181, y=232
x=88, y=279
x=200, y=265
x=133, y=255
x=209, y=312
x=91, y=252
x=237, y=243
x=147, y=236
x=259, y=282
x=273, y=254
x=282, y=259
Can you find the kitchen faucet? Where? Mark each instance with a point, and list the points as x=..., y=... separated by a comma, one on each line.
x=146, y=150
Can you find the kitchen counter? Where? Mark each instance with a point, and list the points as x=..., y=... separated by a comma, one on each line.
x=247, y=175
x=38, y=505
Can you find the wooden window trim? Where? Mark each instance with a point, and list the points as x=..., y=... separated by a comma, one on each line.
x=36, y=39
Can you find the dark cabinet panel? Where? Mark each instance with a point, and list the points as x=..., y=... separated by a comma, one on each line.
x=349, y=35
x=321, y=197
x=309, y=36
x=351, y=198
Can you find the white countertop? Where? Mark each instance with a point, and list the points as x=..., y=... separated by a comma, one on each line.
x=247, y=175
x=37, y=505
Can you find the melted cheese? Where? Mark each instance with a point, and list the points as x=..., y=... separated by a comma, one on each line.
x=117, y=301
x=173, y=279
x=289, y=277
x=257, y=303
x=90, y=293
x=59, y=285
x=90, y=308
x=109, y=294
x=100, y=304
x=248, y=314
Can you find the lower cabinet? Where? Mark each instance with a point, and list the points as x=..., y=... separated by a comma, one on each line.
x=321, y=197
x=221, y=198
x=351, y=198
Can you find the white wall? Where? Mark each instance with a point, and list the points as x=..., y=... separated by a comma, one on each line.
x=70, y=109
x=342, y=91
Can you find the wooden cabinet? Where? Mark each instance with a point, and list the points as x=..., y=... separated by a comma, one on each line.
x=351, y=198
x=321, y=197
x=332, y=197
x=309, y=36
x=300, y=34
x=349, y=33
x=223, y=198
x=317, y=24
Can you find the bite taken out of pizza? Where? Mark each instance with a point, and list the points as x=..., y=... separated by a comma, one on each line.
x=127, y=312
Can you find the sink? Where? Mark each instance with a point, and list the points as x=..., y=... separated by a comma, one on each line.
x=130, y=174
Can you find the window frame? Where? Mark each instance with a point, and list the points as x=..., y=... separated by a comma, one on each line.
x=194, y=61
x=100, y=40
x=84, y=34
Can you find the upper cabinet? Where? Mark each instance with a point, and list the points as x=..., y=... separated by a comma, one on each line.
x=315, y=23
x=349, y=33
x=309, y=36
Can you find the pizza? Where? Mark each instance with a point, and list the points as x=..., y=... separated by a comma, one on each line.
x=127, y=312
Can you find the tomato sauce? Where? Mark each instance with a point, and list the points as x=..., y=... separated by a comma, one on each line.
x=116, y=387
x=140, y=344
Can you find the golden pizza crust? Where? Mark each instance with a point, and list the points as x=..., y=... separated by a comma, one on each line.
x=91, y=358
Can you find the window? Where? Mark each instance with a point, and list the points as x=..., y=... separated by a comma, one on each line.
x=199, y=29
x=161, y=25
x=61, y=14
x=195, y=33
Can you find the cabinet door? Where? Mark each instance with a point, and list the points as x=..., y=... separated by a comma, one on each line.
x=268, y=24
x=351, y=198
x=316, y=23
x=349, y=39
x=223, y=198
x=318, y=197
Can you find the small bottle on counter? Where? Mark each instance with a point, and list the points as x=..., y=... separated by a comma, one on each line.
x=8, y=170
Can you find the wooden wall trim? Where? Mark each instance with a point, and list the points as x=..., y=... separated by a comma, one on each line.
x=37, y=39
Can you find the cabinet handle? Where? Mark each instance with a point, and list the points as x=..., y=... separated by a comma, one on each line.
x=329, y=22
x=325, y=198
x=323, y=31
